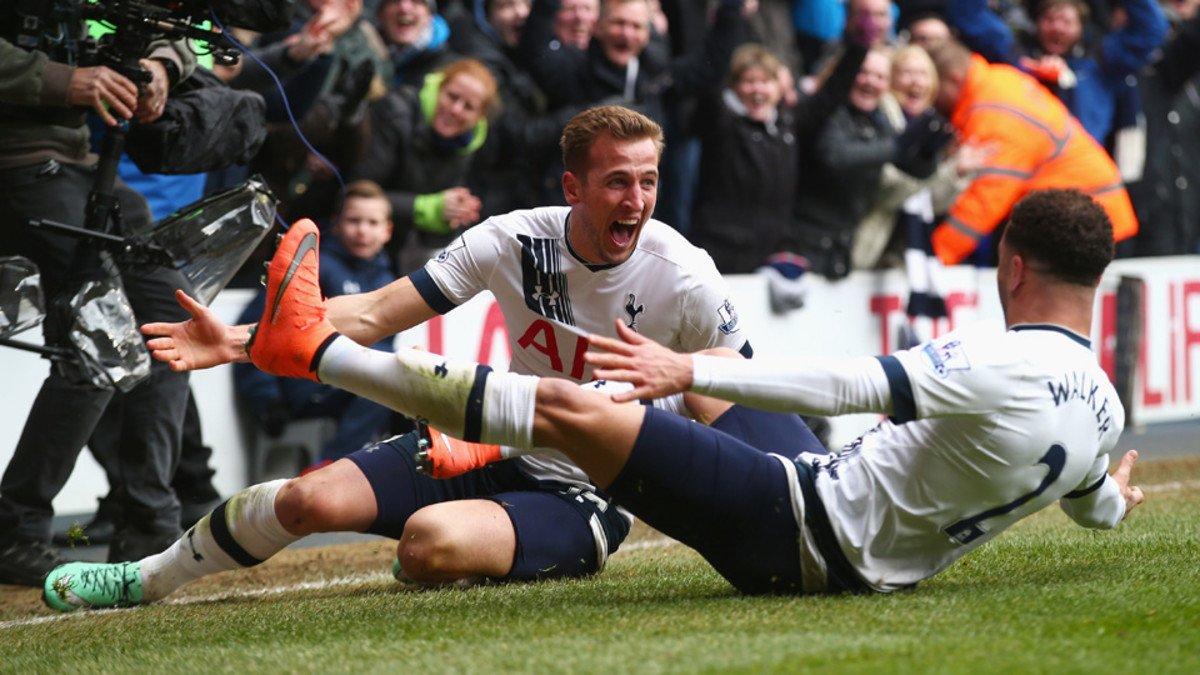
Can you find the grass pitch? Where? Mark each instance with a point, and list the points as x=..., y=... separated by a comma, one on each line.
x=1046, y=596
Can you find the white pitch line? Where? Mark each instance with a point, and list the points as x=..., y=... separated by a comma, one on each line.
x=276, y=590
x=657, y=542
x=195, y=599
x=1175, y=486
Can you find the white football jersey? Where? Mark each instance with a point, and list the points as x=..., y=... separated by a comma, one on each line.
x=987, y=426
x=668, y=290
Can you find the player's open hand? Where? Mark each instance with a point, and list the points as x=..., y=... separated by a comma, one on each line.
x=202, y=341
x=1133, y=494
x=652, y=369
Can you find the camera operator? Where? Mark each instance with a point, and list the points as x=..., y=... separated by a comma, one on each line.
x=47, y=173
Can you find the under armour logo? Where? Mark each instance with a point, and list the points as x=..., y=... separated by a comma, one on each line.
x=541, y=296
x=441, y=370
x=633, y=309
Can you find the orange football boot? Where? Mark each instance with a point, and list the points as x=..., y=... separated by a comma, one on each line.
x=293, y=330
x=441, y=456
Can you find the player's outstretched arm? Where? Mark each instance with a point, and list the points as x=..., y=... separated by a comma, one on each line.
x=1133, y=494
x=652, y=369
x=202, y=341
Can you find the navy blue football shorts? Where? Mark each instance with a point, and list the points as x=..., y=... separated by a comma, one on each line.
x=562, y=530
x=717, y=490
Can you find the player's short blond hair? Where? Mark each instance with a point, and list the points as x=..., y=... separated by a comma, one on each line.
x=614, y=121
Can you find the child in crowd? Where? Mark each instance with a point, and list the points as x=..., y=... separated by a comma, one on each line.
x=352, y=261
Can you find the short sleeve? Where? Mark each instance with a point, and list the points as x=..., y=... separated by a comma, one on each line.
x=461, y=271
x=710, y=317
x=961, y=373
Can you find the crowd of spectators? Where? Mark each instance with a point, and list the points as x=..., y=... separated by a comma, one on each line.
x=455, y=108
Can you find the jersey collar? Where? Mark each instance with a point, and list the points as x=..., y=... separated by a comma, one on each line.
x=1058, y=329
x=595, y=267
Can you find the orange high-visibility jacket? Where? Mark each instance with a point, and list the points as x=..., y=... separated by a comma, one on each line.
x=1037, y=143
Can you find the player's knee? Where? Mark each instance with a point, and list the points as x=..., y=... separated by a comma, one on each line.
x=303, y=507
x=560, y=399
x=426, y=549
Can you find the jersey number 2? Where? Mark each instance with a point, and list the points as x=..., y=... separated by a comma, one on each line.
x=968, y=530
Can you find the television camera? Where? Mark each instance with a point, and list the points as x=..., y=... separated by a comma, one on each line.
x=207, y=241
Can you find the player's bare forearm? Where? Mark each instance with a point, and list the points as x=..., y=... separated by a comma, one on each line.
x=370, y=317
x=652, y=369
x=202, y=341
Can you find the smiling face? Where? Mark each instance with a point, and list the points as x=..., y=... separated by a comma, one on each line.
x=403, y=21
x=1059, y=28
x=913, y=82
x=870, y=83
x=613, y=199
x=624, y=30
x=575, y=22
x=759, y=91
x=507, y=17
x=461, y=103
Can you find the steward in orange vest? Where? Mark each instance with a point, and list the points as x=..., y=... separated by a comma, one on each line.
x=1037, y=144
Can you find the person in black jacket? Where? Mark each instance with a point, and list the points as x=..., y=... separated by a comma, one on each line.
x=842, y=165
x=617, y=63
x=621, y=64
x=750, y=156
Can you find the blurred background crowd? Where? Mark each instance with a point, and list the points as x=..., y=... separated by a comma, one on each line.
x=454, y=108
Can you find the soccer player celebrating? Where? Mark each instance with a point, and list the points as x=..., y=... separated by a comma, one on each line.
x=984, y=426
x=559, y=274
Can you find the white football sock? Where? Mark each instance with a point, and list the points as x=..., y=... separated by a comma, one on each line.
x=245, y=533
x=464, y=400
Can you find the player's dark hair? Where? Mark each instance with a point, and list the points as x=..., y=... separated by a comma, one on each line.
x=614, y=121
x=1062, y=232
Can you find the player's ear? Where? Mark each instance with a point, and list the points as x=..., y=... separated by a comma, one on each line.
x=1018, y=270
x=572, y=188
